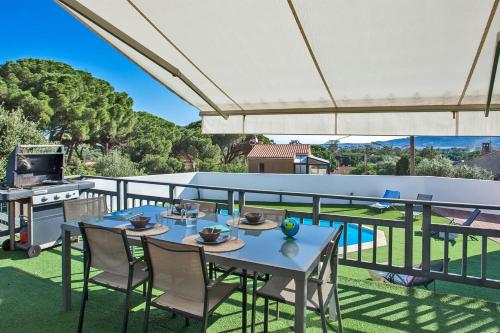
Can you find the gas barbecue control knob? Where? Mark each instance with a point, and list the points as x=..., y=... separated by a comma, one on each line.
x=56, y=197
x=68, y=195
x=44, y=199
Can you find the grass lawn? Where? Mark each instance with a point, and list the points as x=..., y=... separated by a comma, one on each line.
x=30, y=296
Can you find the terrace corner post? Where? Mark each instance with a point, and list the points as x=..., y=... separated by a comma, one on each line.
x=241, y=199
x=230, y=202
x=171, y=193
x=119, y=203
x=66, y=269
x=408, y=236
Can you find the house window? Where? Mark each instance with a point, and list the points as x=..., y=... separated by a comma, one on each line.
x=301, y=168
x=261, y=167
x=300, y=159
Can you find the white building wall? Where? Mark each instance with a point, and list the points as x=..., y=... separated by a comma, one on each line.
x=443, y=189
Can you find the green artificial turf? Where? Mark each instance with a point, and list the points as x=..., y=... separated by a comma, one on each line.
x=30, y=296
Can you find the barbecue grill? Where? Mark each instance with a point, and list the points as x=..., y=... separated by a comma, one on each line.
x=35, y=189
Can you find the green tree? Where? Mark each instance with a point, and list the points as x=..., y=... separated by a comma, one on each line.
x=71, y=106
x=198, y=151
x=439, y=166
x=15, y=129
x=403, y=166
x=152, y=135
x=325, y=153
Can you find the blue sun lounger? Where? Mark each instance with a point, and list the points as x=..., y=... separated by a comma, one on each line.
x=389, y=194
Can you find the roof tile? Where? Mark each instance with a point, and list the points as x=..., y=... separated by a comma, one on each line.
x=279, y=150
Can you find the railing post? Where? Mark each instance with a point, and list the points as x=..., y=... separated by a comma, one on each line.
x=408, y=236
x=119, y=204
x=171, y=194
x=230, y=202
x=241, y=199
x=426, y=238
x=316, y=209
x=125, y=194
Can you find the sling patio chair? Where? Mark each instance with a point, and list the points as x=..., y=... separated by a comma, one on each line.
x=382, y=205
x=408, y=280
x=82, y=210
x=205, y=206
x=277, y=215
x=107, y=249
x=452, y=236
x=419, y=209
x=320, y=290
x=180, y=272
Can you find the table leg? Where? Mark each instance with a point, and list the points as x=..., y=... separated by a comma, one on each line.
x=66, y=269
x=300, y=304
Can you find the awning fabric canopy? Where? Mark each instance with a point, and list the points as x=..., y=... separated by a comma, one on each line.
x=356, y=67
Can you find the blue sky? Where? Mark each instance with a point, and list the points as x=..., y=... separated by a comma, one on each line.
x=42, y=29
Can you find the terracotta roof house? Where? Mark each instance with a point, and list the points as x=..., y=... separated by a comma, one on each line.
x=489, y=161
x=286, y=158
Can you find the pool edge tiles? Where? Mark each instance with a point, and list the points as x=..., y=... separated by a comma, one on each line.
x=381, y=241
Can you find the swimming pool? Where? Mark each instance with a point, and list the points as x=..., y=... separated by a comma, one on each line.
x=352, y=230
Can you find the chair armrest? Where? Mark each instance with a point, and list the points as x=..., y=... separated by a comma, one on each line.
x=222, y=277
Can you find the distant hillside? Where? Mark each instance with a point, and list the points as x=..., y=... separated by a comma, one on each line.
x=442, y=142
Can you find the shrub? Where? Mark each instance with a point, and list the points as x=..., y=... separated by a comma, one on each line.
x=439, y=166
x=472, y=172
x=116, y=165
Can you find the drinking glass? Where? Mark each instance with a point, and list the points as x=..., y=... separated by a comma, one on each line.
x=191, y=211
x=235, y=226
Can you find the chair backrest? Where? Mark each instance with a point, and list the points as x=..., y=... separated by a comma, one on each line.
x=423, y=197
x=206, y=207
x=472, y=217
x=331, y=258
x=177, y=269
x=78, y=209
x=390, y=194
x=277, y=215
x=107, y=248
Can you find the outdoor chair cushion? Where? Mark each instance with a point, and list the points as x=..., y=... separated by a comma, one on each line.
x=283, y=289
x=120, y=281
x=216, y=294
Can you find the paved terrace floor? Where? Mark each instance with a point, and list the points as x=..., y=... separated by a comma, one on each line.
x=484, y=220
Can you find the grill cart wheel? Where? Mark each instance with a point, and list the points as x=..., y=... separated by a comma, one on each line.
x=34, y=251
x=6, y=245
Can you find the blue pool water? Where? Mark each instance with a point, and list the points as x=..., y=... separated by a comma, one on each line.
x=352, y=230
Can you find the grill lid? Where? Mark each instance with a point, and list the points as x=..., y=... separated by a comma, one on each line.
x=33, y=165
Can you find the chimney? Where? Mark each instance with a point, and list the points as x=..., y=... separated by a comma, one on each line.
x=486, y=148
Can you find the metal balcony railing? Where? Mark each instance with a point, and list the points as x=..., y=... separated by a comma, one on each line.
x=122, y=198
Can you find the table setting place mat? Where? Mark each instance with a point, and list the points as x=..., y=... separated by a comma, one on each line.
x=168, y=214
x=157, y=229
x=266, y=225
x=227, y=246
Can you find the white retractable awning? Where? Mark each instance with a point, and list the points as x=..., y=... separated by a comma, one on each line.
x=355, y=67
